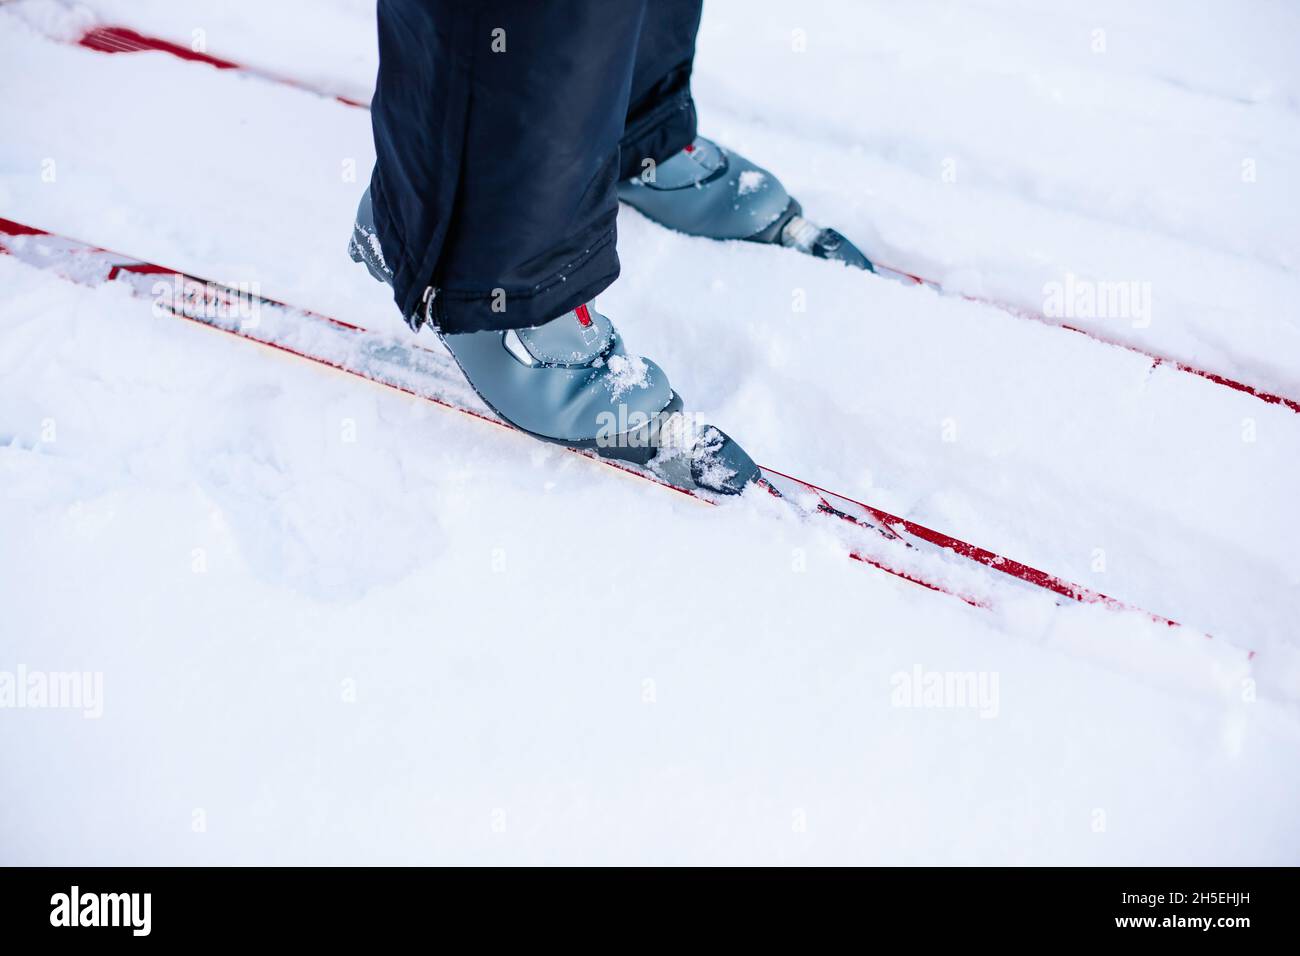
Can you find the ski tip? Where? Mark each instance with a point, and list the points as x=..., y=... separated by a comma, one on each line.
x=832, y=245
x=819, y=242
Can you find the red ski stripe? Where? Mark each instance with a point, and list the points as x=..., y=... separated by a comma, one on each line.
x=110, y=39
x=141, y=268
x=11, y=228
x=876, y=563
x=125, y=40
x=1156, y=359
x=991, y=559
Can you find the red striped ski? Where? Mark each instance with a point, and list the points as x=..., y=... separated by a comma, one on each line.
x=108, y=39
x=118, y=39
x=900, y=546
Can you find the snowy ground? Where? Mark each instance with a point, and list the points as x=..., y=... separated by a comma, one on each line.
x=336, y=624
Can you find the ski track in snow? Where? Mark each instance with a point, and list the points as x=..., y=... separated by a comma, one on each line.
x=405, y=622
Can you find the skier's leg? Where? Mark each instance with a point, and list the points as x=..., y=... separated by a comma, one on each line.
x=693, y=186
x=661, y=113
x=496, y=129
x=492, y=211
x=690, y=183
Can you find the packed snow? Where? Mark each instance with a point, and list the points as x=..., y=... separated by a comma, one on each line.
x=321, y=621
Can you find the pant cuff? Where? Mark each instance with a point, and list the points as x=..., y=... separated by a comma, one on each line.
x=457, y=310
x=657, y=136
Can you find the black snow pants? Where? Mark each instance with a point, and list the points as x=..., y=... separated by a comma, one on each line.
x=501, y=130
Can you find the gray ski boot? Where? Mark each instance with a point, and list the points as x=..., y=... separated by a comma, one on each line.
x=571, y=382
x=707, y=190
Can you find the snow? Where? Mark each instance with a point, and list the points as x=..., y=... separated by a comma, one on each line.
x=749, y=181
x=629, y=372
x=333, y=623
